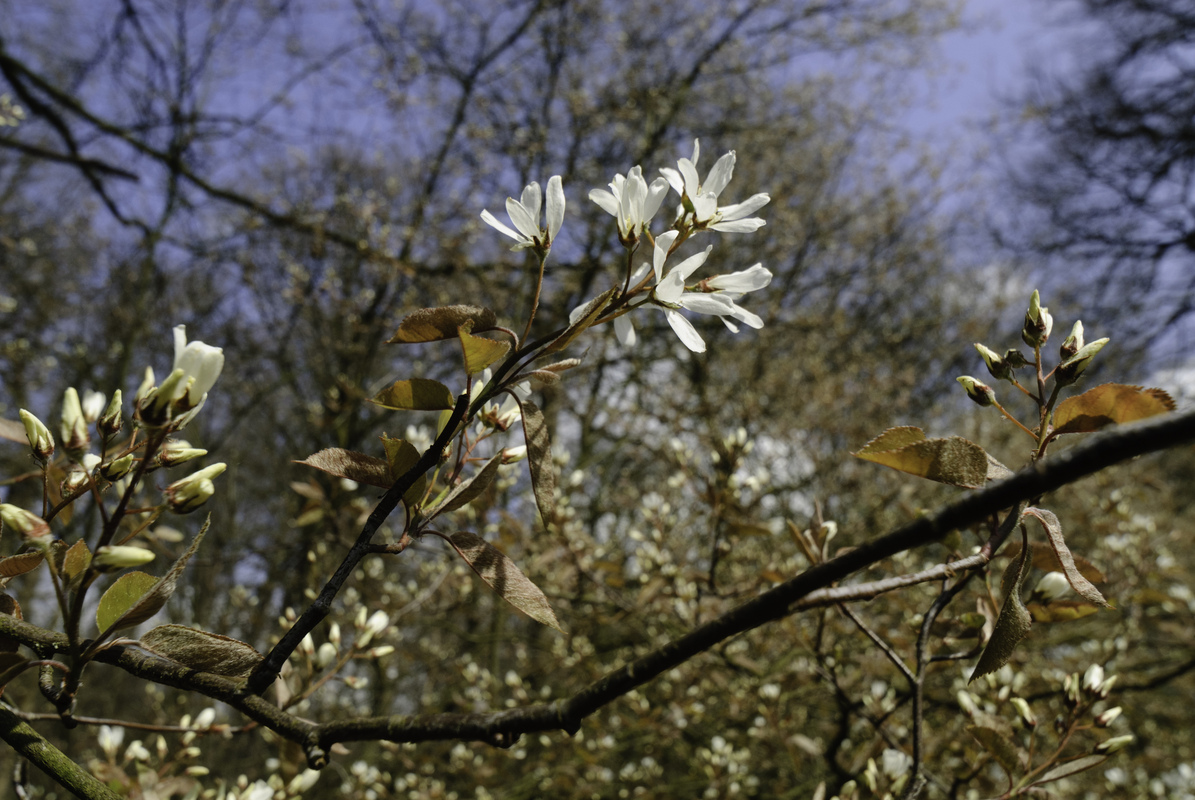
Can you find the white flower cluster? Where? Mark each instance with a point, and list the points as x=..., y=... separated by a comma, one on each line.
x=633, y=202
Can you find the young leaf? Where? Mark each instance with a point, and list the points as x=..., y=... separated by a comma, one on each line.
x=1074, y=577
x=1070, y=768
x=501, y=575
x=470, y=489
x=1043, y=557
x=12, y=566
x=1012, y=625
x=585, y=317
x=131, y=599
x=401, y=456
x=953, y=460
x=78, y=558
x=202, y=651
x=479, y=351
x=349, y=464
x=1109, y=404
x=1007, y=754
x=539, y=459
x=434, y=324
x=417, y=394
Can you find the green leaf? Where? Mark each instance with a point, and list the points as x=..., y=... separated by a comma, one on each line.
x=1083, y=587
x=401, y=456
x=468, y=490
x=953, y=460
x=479, y=351
x=591, y=311
x=130, y=604
x=1070, y=768
x=1109, y=404
x=202, y=651
x=78, y=559
x=1014, y=621
x=434, y=324
x=501, y=575
x=539, y=459
x=350, y=464
x=1006, y=753
x=417, y=394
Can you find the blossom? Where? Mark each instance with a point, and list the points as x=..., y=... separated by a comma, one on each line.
x=179, y=397
x=41, y=441
x=188, y=494
x=702, y=198
x=115, y=557
x=632, y=202
x=524, y=213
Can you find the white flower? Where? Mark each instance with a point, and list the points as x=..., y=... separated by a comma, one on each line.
x=703, y=197
x=524, y=213
x=201, y=365
x=109, y=740
x=632, y=202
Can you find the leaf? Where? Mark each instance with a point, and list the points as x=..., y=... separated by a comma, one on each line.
x=19, y=564
x=953, y=460
x=1109, y=404
x=1074, y=577
x=13, y=431
x=1043, y=557
x=77, y=560
x=1070, y=768
x=131, y=599
x=1061, y=610
x=539, y=459
x=479, y=351
x=501, y=575
x=1006, y=753
x=434, y=324
x=560, y=366
x=546, y=377
x=401, y=456
x=996, y=470
x=1012, y=625
x=590, y=312
x=417, y=394
x=202, y=651
x=350, y=464
x=467, y=491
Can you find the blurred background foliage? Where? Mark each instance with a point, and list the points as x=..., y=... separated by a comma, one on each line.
x=288, y=179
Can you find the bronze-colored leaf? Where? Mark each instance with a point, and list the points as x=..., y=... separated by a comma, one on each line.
x=1074, y=576
x=202, y=651
x=468, y=490
x=77, y=560
x=539, y=459
x=401, y=456
x=479, y=351
x=585, y=317
x=1043, y=557
x=1109, y=404
x=1061, y=610
x=952, y=460
x=350, y=464
x=19, y=564
x=1002, y=748
x=434, y=324
x=1070, y=768
x=501, y=575
x=1012, y=625
x=417, y=394
x=138, y=600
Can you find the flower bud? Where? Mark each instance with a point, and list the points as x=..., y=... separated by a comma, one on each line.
x=1052, y=586
x=26, y=523
x=380, y=652
x=1015, y=358
x=147, y=387
x=205, y=718
x=117, y=468
x=1115, y=743
x=111, y=421
x=1106, y=687
x=378, y=622
x=1070, y=370
x=174, y=453
x=967, y=702
x=512, y=454
x=1108, y=717
x=76, y=479
x=117, y=557
x=188, y=494
x=307, y=646
x=40, y=439
x=1073, y=343
x=1024, y=711
x=93, y=405
x=326, y=655
x=1092, y=678
x=75, y=437
x=334, y=634
x=996, y=365
x=1038, y=323
x=979, y=392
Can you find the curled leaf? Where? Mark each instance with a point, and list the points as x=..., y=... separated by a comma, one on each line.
x=434, y=324
x=21, y=563
x=202, y=651
x=1000, y=746
x=501, y=575
x=585, y=317
x=952, y=460
x=1014, y=621
x=539, y=459
x=417, y=394
x=479, y=351
x=1109, y=404
x=402, y=456
x=1070, y=768
x=468, y=490
x=350, y=464
x=1074, y=576
x=1043, y=557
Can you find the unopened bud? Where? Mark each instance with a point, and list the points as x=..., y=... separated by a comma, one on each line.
x=1115, y=743
x=380, y=652
x=1073, y=343
x=146, y=388
x=174, y=453
x=116, y=557
x=1092, y=678
x=1024, y=711
x=26, y=523
x=334, y=634
x=76, y=479
x=205, y=718
x=378, y=622
x=1038, y=322
x=512, y=454
x=967, y=702
x=978, y=391
x=75, y=437
x=307, y=646
x=326, y=655
x=1070, y=370
x=996, y=365
x=1108, y=717
x=40, y=439
x=93, y=405
x=111, y=421
x=1052, y=586
x=1106, y=687
x=188, y=494
x=116, y=469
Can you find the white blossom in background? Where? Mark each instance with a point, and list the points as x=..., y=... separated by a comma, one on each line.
x=703, y=197
x=632, y=202
x=524, y=213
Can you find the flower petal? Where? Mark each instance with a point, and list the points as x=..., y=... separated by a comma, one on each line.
x=720, y=175
x=685, y=331
x=739, y=225
x=663, y=243
x=527, y=224
x=608, y=202
x=531, y=199
x=624, y=330
x=739, y=283
x=492, y=221
x=748, y=206
x=555, y=210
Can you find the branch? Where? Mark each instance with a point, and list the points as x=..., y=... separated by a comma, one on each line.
x=21, y=737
